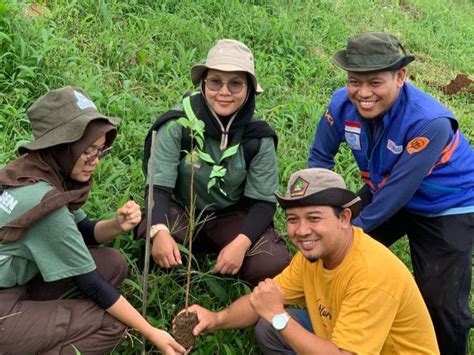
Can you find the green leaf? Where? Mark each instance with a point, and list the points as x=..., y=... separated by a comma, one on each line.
x=210, y=184
x=217, y=289
x=199, y=142
x=229, y=152
x=206, y=157
x=184, y=122
x=218, y=171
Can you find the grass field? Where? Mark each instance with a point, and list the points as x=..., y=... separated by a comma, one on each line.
x=133, y=58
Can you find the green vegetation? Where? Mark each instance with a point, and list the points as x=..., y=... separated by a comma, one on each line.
x=133, y=57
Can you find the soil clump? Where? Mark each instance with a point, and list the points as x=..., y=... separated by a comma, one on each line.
x=183, y=329
x=459, y=83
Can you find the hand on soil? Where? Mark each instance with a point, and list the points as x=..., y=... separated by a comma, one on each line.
x=207, y=320
x=165, y=250
x=166, y=343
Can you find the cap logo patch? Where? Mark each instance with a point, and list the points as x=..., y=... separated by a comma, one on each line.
x=299, y=187
x=417, y=144
x=83, y=102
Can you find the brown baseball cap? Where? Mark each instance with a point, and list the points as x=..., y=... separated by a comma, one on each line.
x=61, y=116
x=318, y=187
x=373, y=51
x=228, y=55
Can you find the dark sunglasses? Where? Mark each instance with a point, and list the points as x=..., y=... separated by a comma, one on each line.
x=234, y=85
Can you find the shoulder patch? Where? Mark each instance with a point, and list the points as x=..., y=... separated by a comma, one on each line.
x=329, y=118
x=417, y=144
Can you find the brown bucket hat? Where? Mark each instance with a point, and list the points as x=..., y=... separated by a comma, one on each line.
x=61, y=116
x=228, y=55
x=318, y=187
x=372, y=51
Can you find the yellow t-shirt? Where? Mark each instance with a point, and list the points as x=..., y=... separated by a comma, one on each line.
x=369, y=304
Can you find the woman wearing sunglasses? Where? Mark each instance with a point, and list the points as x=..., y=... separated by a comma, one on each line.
x=236, y=214
x=48, y=245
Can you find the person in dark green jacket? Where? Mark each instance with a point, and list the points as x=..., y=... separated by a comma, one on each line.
x=240, y=230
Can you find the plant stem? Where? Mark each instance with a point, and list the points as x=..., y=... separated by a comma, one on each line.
x=190, y=225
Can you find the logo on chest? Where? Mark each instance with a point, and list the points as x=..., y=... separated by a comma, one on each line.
x=7, y=202
x=323, y=311
x=395, y=149
x=352, y=134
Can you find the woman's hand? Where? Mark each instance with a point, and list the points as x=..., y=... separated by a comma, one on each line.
x=165, y=250
x=166, y=343
x=128, y=216
x=231, y=257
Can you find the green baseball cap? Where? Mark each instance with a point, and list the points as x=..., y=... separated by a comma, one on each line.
x=61, y=116
x=372, y=51
x=318, y=187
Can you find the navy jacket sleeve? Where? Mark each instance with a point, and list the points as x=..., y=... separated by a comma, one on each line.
x=325, y=144
x=406, y=177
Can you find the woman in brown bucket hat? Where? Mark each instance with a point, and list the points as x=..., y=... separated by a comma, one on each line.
x=241, y=229
x=48, y=245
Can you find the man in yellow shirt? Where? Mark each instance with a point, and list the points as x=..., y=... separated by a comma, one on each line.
x=358, y=297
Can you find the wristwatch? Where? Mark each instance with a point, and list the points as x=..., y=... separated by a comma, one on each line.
x=279, y=321
x=156, y=228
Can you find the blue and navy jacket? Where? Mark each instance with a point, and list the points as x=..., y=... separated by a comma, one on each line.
x=447, y=185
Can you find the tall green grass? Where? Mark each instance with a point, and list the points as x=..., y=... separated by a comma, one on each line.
x=134, y=57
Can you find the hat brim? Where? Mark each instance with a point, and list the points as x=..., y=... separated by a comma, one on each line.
x=335, y=197
x=340, y=60
x=70, y=132
x=197, y=71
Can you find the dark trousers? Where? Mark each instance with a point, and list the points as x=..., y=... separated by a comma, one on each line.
x=270, y=340
x=265, y=259
x=441, y=254
x=36, y=321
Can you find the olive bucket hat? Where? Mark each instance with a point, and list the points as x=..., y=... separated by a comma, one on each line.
x=318, y=187
x=372, y=51
x=61, y=116
x=228, y=55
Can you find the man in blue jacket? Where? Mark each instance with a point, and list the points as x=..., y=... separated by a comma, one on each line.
x=418, y=172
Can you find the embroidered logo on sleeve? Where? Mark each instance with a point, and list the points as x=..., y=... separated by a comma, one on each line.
x=7, y=202
x=417, y=144
x=329, y=118
x=395, y=149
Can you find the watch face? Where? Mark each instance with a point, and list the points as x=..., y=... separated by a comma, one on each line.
x=279, y=321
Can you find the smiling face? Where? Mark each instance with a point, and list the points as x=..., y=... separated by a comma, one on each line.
x=82, y=171
x=319, y=233
x=222, y=101
x=374, y=93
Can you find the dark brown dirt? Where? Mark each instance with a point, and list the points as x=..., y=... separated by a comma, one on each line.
x=184, y=324
x=459, y=83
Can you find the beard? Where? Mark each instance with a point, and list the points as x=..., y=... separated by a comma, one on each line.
x=312, y=258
